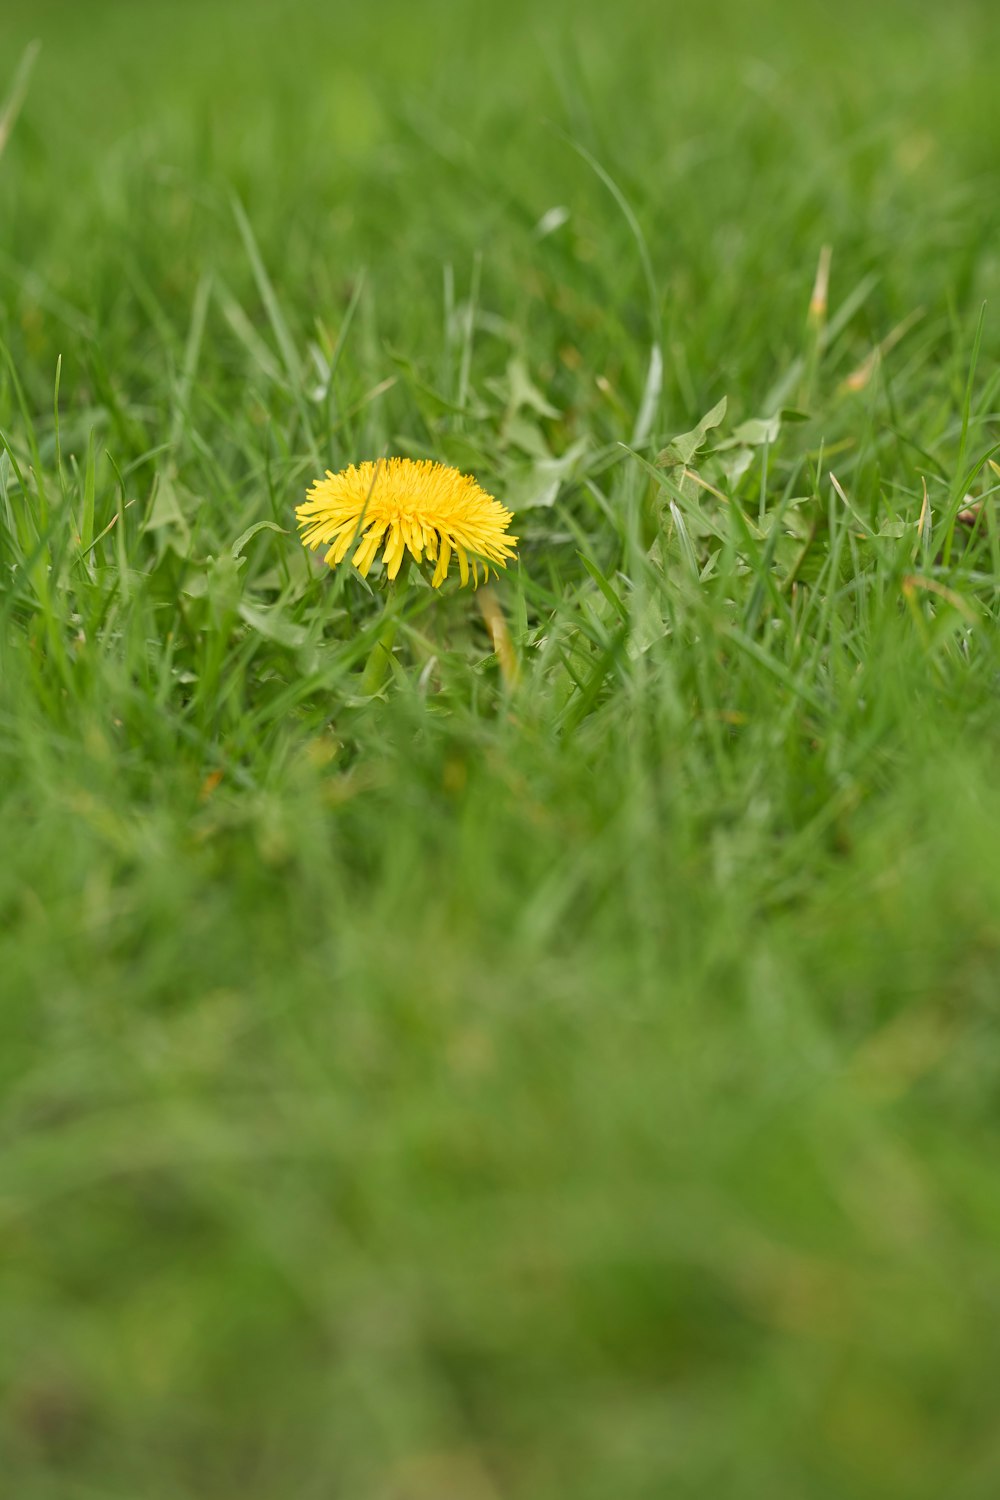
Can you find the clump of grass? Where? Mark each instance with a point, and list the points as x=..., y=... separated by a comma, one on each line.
x=569, y=1070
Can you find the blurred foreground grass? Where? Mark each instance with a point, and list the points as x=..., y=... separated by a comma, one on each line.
x=580, y=1087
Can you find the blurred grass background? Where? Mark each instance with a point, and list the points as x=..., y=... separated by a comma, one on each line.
x=584, y=1087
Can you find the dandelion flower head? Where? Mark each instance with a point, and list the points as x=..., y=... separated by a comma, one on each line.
x=406, y=505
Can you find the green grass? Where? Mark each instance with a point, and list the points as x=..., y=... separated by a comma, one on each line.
x=578, y=1086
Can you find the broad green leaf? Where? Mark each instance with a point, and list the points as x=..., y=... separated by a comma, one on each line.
x=251, y=532
x=272, y=624
x=682, y=449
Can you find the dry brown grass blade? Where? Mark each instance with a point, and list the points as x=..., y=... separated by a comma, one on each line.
x=492, y=614
x=859, y=378
x=821, y=287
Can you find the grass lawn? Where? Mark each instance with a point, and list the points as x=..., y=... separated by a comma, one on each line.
x=573, y=1071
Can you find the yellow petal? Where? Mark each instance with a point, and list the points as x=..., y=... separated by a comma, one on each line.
x=365, y=555
x=394, y=549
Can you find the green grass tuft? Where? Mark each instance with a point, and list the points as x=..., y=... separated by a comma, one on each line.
x=572, y=1081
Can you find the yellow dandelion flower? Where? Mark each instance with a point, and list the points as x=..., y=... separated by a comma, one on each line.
x=409, y=505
